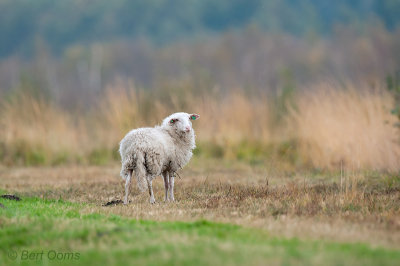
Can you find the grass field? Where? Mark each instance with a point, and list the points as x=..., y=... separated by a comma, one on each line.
x=225, y=213
x=297, y=157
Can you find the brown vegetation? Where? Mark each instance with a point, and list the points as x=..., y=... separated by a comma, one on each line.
x=325, y=127
x=355, y=128
x=351, y=206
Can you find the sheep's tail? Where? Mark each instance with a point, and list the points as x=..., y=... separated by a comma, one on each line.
x=140, y=172
x=128, y=164
x=135, y=162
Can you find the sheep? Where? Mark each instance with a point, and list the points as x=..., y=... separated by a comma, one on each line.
x=161, y=150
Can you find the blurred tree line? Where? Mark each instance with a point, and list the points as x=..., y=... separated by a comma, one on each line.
x=249, y=60
x=85, y=56
x=64, y=22
x=70, y=51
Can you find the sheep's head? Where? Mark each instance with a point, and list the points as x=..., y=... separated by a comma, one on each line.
x=181, y=123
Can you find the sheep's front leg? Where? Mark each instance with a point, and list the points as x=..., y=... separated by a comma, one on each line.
x=166, y=185
x=171, y=187
x=127, y=186
x=149, y=184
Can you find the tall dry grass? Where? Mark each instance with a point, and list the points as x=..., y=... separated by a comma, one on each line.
x=225, y=120
x=330, y=127
x=121, y=109
x=35, y=131
x=351, y=127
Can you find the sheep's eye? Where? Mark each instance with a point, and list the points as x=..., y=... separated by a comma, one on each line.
x=173, y=121
x=193, y=117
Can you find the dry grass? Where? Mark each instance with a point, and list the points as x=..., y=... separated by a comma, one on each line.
x=329, y=127
x=233, y=119
x=352, y=207
x=34, y=129
x=335, y=126
x=224, y=120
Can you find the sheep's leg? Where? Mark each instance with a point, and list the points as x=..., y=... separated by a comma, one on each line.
x=149, y=184
x=166, y=185
x=171, y=187
x=128, y=186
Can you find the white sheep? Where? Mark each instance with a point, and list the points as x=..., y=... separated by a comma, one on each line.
x=162, y=150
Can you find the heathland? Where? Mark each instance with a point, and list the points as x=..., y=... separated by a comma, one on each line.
x=298, y=144
x=233, y=212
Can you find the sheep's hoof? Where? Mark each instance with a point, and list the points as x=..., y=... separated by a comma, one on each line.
x=125, y=202
x=152, y=201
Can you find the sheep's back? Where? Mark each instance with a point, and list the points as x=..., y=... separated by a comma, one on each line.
x=153, y=145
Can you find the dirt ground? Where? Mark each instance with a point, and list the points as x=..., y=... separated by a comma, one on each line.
x=343, y=207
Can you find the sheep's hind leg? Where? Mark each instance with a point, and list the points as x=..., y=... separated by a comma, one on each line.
x=166, y=185
x=171, y=187
x=149, y=184
x=128, y=186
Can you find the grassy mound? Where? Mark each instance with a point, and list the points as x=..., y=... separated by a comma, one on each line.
x=54, y=232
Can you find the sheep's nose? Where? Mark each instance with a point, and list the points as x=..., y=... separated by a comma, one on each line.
x=187, y=129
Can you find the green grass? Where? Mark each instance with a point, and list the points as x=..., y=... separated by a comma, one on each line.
x=58, y=228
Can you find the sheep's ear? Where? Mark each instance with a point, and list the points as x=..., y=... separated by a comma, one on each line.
x=194, y=116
